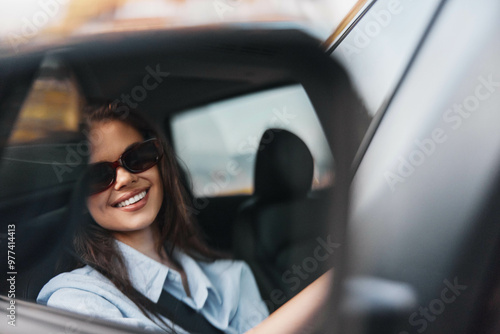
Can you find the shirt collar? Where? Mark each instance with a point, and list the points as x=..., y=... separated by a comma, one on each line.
x=199, y=284
x=148, y=276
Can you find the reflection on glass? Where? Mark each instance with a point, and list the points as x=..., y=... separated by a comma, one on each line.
x=51, y=108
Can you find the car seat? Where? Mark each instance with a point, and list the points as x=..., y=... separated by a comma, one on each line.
x=280, y=230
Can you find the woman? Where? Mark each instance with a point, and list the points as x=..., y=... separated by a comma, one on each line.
x=138, y=251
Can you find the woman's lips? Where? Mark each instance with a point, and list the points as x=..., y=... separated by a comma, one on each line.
x=136, y=206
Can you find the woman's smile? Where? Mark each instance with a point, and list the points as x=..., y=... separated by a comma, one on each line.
x=134, y=201
x=131, y=198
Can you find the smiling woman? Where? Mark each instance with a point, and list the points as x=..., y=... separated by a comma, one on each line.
x=140, y=259
x=111, y=208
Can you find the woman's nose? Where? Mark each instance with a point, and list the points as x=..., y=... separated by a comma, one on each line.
x=123, y=178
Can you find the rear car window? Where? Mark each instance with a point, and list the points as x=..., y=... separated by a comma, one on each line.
x=218, y=142
x=51, y=111
x=42, y=149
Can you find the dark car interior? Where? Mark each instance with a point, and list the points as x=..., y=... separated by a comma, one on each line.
x=273, y=229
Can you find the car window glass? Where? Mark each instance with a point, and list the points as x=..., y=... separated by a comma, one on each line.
x=218, y=142
x=51, y=109
x=42, y=149
x=377, y=50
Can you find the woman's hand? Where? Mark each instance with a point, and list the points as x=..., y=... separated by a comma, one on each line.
x=301, y=312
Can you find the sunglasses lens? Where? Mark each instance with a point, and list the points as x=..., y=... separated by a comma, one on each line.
x=136, y=159
x=100, y=177
x=141, y=157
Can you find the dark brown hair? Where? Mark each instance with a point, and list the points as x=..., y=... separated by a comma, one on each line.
x=95, y=246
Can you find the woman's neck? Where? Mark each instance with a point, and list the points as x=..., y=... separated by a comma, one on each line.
x=143, y=241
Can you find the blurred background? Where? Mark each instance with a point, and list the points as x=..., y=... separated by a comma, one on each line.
x=30, y=21
x=51, y=111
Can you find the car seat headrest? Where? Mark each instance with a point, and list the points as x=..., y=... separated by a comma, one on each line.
x=284, y=166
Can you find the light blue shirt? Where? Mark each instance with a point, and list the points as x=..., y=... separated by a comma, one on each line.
x=224, y=291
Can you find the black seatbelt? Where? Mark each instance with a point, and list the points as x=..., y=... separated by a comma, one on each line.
x=184, y=316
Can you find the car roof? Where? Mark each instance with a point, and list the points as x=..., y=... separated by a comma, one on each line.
x=203, y=64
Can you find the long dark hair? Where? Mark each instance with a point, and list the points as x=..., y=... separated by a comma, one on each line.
x=95, y=246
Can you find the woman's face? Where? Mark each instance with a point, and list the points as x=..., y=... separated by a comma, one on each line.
x=108, y=141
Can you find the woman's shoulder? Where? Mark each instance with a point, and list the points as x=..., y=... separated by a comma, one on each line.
x=77, y=276
x=227, y=271
x=87, y=292
x=85, y=279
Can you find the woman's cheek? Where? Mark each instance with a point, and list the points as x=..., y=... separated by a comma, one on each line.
x=96, y=205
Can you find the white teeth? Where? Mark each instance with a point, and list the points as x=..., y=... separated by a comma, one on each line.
x=132, y=200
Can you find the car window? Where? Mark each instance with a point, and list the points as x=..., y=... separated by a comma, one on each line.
x=42, y=149
x=377, y=50
x=51, y=109
x=218, y=142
